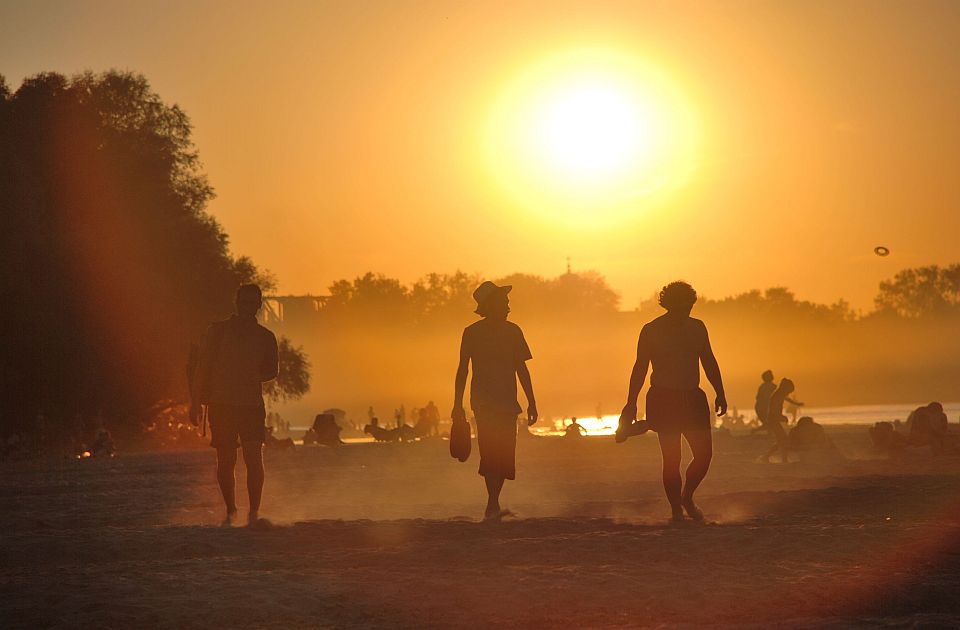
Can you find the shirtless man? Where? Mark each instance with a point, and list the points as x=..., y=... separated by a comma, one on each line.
x=676, y=344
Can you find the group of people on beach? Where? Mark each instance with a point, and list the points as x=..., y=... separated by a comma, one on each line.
x=238, y=355
x=926, y=426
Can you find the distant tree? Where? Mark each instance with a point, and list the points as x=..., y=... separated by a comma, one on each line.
x=442, y=295
x=919, y=292
x=112, y=264
x=293, y=380
x=369, y=294
x=571, y=294
x=776, y=304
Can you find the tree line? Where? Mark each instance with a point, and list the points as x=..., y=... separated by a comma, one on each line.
x=112, y=264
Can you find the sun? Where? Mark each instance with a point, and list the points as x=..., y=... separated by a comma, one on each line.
x=590, y=136
x=591, y=129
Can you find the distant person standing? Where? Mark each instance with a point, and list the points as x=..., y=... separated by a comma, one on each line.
x=776, y=419
x=764, y=392
x=675, y=344
x=237, y=356
x=498, y=352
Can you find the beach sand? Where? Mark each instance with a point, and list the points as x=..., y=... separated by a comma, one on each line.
x=376, y=535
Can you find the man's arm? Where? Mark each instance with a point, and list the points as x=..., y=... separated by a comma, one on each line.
x=460, y=382
x=637, y=378
x=271, y=362
x=794, y=402
x=712, y=370
x=523, y=373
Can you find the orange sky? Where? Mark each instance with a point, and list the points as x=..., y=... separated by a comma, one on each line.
x=343, y=137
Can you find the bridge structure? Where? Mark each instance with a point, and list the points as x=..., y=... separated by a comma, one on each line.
x=286, y=309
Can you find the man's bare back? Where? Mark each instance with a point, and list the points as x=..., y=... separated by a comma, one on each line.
x=674, y=346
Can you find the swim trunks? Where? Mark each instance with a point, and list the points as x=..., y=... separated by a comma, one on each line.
x=231, y=425
x=497, y=443
x=677, y=410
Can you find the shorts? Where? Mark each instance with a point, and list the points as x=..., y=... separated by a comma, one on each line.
x=677, y=410
x=497, y=443
x=233, y=425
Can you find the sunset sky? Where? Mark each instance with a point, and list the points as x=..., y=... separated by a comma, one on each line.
x=736, y=145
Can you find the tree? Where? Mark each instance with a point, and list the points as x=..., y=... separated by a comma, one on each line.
x=112, y=264
x=919, y=292
x=293, y=379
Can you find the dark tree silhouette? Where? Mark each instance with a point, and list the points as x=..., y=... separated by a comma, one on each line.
x=293, y=380
x=923, y=291
x=111, y=263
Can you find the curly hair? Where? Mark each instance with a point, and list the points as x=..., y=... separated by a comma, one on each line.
x=677, y=295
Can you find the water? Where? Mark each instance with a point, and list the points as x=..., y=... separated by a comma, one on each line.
x=850, y=414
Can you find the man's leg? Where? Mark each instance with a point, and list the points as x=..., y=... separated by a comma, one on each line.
x=494, y=486
x=672, y=483
x=226, y=462
x=253, y=458
x=701, y=445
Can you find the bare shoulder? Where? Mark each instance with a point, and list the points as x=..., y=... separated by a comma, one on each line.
x=472, y=327
x=653, y=325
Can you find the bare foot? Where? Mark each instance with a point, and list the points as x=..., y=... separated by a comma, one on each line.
x=229, y=519
x=677, y=516
x=638, y=427
x=693, y=511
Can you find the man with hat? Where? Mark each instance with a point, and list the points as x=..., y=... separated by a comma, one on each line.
x=498, y=353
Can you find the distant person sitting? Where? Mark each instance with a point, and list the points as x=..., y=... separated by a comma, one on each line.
x=929, y=427
x=498, y=353
x=403, y=433
x=325, y=431
x=676, y=345
x=574, y=430
x=378, y=433
x=237, y=356
x=280, y=444
x=426, y=425
x=887, y=439
x=810, y=438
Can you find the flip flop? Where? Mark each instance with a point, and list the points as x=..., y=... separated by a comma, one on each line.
x=638, y=427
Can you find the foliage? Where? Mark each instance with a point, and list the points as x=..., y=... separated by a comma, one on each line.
x=111, y=263
x=921, y=292
x=293, y=380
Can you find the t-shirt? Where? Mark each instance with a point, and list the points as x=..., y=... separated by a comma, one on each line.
x=496, y=348
x=245, y=358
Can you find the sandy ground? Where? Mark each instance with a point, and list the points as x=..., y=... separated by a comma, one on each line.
x=388, y=536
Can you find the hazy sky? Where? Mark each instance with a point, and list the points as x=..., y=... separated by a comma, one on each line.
x=343, y=137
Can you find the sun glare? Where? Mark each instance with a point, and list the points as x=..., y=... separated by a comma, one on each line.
x=590, y=134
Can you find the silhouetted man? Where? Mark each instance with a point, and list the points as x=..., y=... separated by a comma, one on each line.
x=676, y=344
x=238, y=355
x=498, y=353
